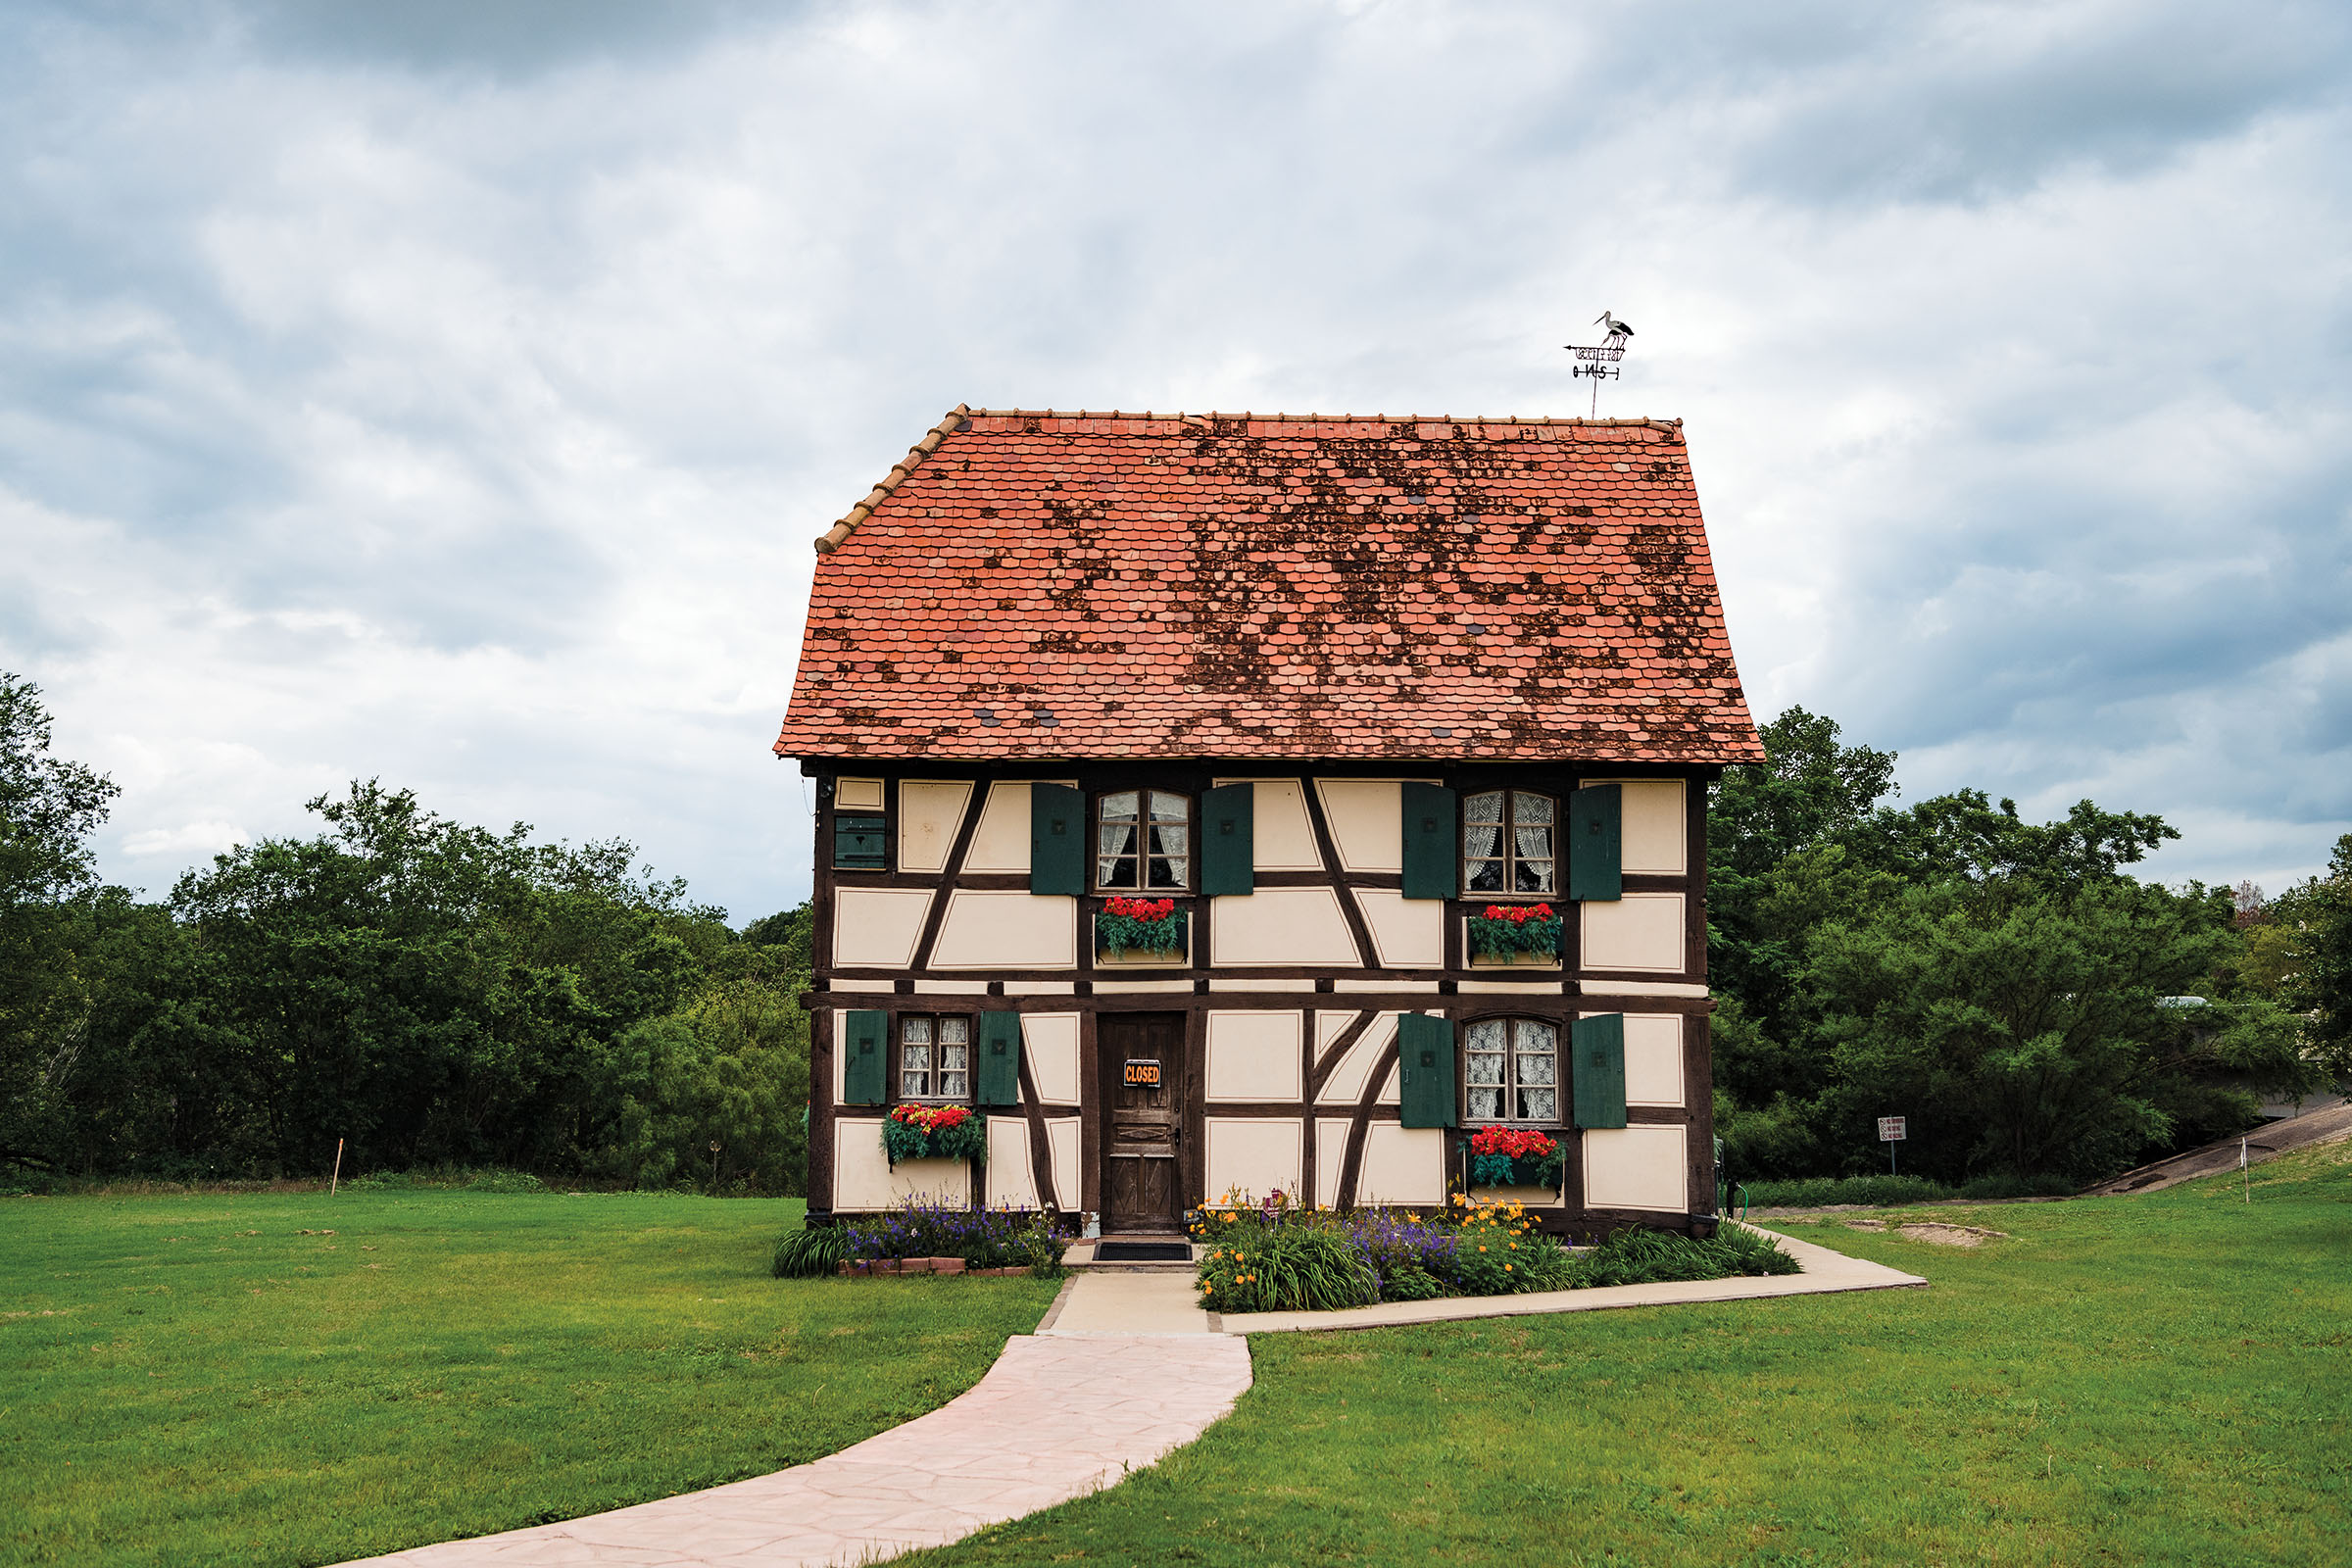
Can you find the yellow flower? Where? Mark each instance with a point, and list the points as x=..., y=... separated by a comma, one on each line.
x=1506, y=1268
x=1482, y=1248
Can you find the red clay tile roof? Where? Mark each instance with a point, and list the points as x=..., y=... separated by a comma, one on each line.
x=1107, y=585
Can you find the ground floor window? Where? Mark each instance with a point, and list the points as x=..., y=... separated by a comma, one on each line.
x=935, y=1057
x=1514, y=1070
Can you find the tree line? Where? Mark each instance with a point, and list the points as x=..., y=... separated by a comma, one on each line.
x=2033, y=1009
x=437, y=994
x=433, y=994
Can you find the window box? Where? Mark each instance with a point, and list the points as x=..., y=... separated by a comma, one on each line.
x=1514, y=936
x=1514, y=1157
x=934, y=1132
x=1143, y=931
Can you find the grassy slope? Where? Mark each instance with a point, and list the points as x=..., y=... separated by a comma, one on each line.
x=190, y=1381
x=2157, y=1378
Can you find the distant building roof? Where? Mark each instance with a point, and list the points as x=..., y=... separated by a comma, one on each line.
x=1068, y=585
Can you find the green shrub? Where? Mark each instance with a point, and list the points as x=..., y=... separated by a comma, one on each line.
x=1263, y=1266
x=1648, y=1258
x=2018, y=1186
x=812, y=1252
x=1885, y=1191
x=1823, y=1190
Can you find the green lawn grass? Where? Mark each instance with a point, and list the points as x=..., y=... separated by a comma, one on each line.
x=194, y=1380
x=2159, y=1379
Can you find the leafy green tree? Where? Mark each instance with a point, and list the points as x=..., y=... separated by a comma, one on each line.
x=49, y=806
x=2302, y=952
x=1812, y=790
x=2027, y=1030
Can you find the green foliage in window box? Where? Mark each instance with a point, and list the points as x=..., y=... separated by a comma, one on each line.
x=1506, y=930
x=934, y=1132
x=1151, y=926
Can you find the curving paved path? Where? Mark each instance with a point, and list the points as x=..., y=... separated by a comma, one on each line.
x=1125, y=1368
x=1057, y=1417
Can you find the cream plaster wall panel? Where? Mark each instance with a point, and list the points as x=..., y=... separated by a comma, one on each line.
x=860, y=1170
x=1406, y=933
x=1000, y=843
x=1289, y=927
x=1281, y=838
x=1331, y=1157
x=1346, y=1085
x=1636, y=1167
x=1656, y=824
x=840, y=1053
x=1639, y=931
x=1061, y=1152
x=1329, y=1026
x=1391, y=1089
x=877, y=928
x=857, y=794
x=1049, y=1040
x=1260, y=1155
x=1011, y=1180
x=1367, y=821
x=1402, y=1165
x=1007, y=930
x=864, y=1177
x=1253, y=1057
x=1654, y=1058
x=929, y=814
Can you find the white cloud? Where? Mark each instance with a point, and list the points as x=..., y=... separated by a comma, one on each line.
x=451, y=399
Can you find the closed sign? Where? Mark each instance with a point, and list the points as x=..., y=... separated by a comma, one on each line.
x=1143, y=1074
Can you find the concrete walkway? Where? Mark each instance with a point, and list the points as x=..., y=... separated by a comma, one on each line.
x=1055, y=1419
x=1124, y=1368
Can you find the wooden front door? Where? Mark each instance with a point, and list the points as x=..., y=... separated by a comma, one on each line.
x=1142, y=1084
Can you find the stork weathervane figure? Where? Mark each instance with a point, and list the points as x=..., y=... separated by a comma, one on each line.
x=1600, y=360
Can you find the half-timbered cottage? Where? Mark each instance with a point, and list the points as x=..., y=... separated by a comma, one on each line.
x=1217, y=802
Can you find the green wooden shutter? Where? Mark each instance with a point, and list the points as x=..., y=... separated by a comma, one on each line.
x=1431, y=841
x=866, y=1057
x=1000, y=1058
x=1056, y=840
x=1425, y=1070
x=1595, y=843
x=860, y=843
x=1227, y=845
x=1596, y=1070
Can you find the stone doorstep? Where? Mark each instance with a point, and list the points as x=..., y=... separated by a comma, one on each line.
x=1080, y=1258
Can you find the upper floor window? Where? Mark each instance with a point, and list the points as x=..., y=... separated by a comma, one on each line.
x=935, y=1057
x=1143, y=839
x=1508, y=842
x=1513, y=1070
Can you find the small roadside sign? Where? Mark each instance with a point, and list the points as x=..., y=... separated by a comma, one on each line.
x=1892, y=1129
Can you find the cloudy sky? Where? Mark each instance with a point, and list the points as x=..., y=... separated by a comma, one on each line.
x=448, y=392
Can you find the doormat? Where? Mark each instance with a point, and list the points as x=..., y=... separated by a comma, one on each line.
x=1143, y=1252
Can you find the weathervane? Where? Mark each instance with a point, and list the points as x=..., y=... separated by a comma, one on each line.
x=1600, y=359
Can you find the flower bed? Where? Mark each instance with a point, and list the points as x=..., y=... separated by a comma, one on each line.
x=1507, y=932
x=1139, y=927
x=934, y=1132
x=1277, y=1256
x=1514, y=1157
x=921, y=1238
